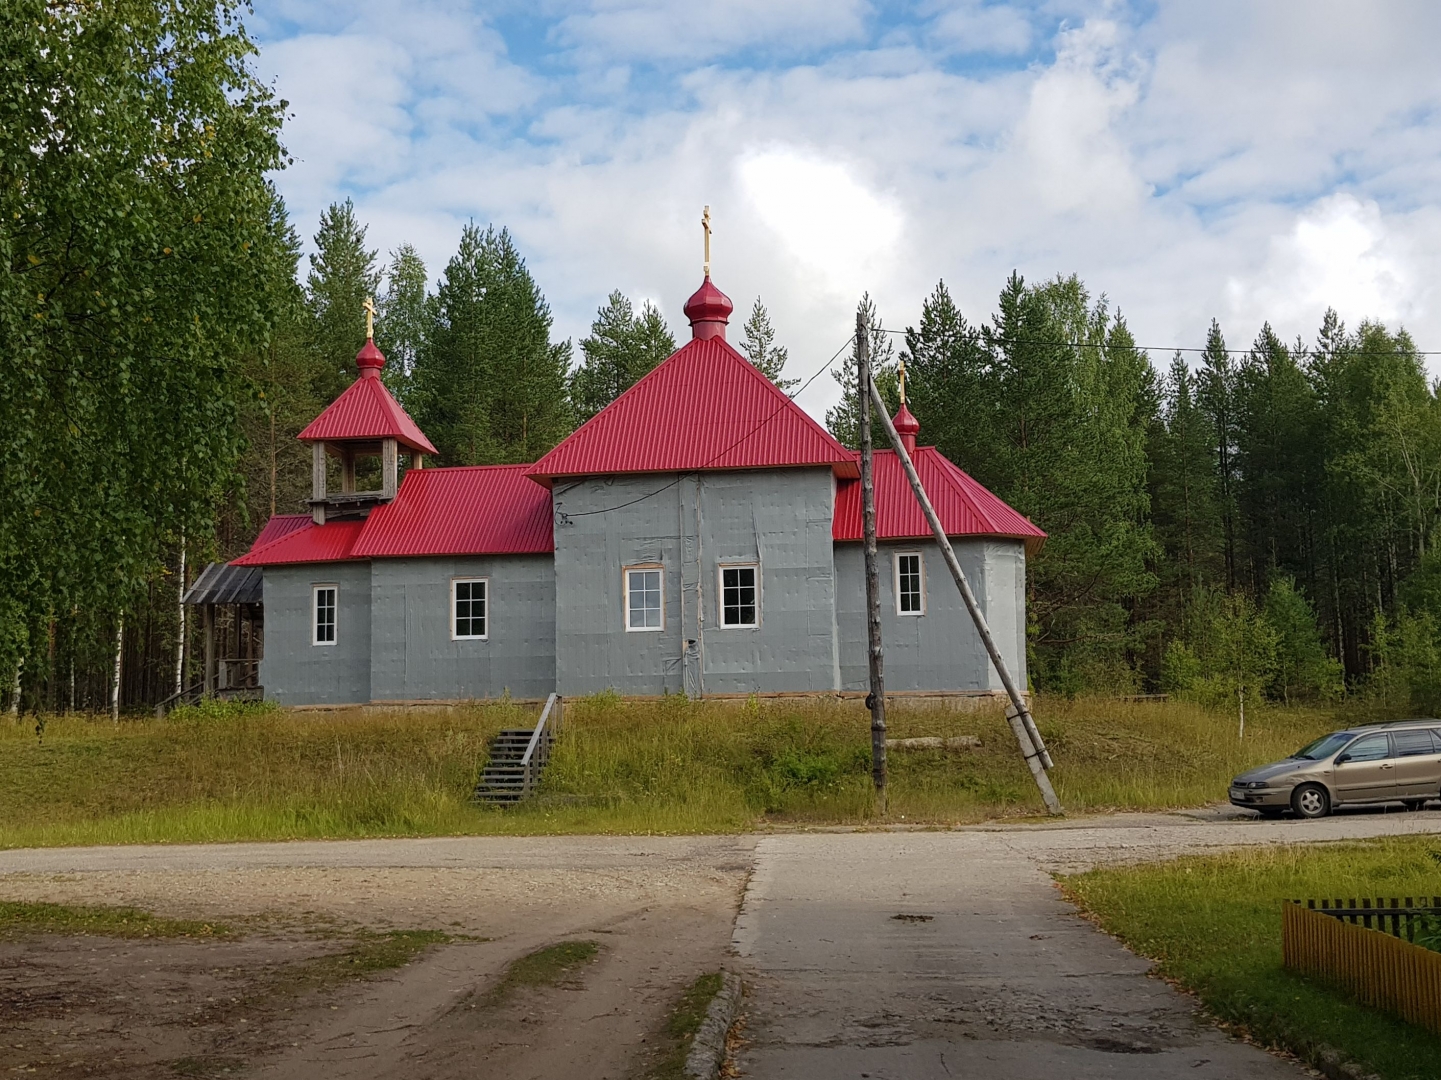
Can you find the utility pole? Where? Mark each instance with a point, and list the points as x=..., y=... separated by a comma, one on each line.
x=876, y=699
x=1023, y=725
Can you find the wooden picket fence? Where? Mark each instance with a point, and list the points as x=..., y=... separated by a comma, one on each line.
x=1381, y=969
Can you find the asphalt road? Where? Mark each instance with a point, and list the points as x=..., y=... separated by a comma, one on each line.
x=938, y=955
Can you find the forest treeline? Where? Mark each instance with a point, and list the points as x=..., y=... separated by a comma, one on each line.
x=1243, y=521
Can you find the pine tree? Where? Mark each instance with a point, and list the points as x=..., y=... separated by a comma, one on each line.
x=342, y=275
x=948, y=384
x=403, y=317
x=760, y=348
x=622, y=348
x=1184, y=511
x=489, y=386
x=844, y=419
x=1217, y=391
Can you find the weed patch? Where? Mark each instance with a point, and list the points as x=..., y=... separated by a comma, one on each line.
x=681, y=1026
x=550, y=966
x=1213, y=924
x=18, y=919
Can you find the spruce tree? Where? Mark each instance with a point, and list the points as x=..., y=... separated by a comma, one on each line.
x=489, y=386
x=843, y=419
x=761, y=350
x=622, y=348
x=342, y=275
x=948, y=384
x=402, y=318
x=1184, y=509
x=1216, y=394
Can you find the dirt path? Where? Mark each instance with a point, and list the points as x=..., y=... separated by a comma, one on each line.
x=660, y=909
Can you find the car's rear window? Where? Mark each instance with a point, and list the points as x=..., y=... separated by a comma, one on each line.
x=1413, y=743
x=1324, y=747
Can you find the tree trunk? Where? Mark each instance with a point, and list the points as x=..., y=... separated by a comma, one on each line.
x=876, y=700
x=115, y=681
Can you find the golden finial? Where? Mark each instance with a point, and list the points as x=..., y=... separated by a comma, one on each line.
x=369, y=306
x=705, y=224
x=903, y=381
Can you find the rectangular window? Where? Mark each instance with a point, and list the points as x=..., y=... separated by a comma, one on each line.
x=467, y=607
x=643, y=606
x=910, y=584
x=324, y=621
x=740, y=600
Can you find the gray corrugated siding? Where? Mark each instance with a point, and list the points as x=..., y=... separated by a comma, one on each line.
x=780, y=519
x=413, y=654
x=940, y=650
x=295, y=672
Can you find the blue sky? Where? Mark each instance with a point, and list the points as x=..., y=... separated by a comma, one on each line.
x=1238, y=160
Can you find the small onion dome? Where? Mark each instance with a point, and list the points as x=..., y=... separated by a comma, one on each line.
x=907, y=427
x=370, y=359
x=708, y=311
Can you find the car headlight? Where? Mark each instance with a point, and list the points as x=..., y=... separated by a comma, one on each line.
x=1255, y=784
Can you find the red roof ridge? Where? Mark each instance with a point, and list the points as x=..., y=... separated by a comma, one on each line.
x=595, y=444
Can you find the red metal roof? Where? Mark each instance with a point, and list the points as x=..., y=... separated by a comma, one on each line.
x=366, y=411
x=964, y=506
x=278, y=526
x=706, y=407
x=331, y=542
x=473, y=510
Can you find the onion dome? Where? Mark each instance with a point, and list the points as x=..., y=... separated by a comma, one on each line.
x=369, y=360
x=708, y=310
x=907, y=427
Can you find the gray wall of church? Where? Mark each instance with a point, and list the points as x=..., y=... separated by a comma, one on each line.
x=414, y=655
x=296, y=672
x=691, y=525
x=939, y=650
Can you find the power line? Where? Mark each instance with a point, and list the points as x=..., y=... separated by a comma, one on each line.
x=1173, y=348
x=564, y=518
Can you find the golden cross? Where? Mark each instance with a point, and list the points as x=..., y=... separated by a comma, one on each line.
x=705, y=224
x=369, y=306
x=903, y=381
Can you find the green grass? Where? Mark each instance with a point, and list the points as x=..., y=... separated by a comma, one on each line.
x=667, y=766
x=682, y=1024
x=1213, y=924
x=20, y=919
x=550, y=966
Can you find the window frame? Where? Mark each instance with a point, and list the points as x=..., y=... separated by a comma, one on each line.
x=315, y=591
x=896, y=557
x=720, y=580
x=485, y=608
x=1387, y=756
x=625, y=573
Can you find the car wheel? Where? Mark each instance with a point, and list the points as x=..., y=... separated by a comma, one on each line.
x=1311, y=801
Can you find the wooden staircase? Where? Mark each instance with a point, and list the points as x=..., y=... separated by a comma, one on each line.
x=518, y=757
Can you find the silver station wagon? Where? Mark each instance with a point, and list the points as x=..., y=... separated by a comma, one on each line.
x=1377, y=763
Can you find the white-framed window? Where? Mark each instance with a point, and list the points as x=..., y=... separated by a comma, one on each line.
x=644, y=598
x=469, y=598
x=910, y=583
x=323, y=608
x=740, y=593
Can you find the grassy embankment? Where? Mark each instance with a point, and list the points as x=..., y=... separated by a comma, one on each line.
x=1214, y=926
x=665, y=767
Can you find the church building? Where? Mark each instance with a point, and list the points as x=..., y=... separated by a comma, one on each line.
x=700, y=535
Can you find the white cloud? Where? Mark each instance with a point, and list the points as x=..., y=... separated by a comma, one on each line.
x=683, y=29
x=1341, y=252
x=832, y=225
x=974, y=27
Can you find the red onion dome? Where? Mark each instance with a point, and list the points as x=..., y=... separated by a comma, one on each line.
x=708, y=310
x=370, y=359
x=907, y=427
